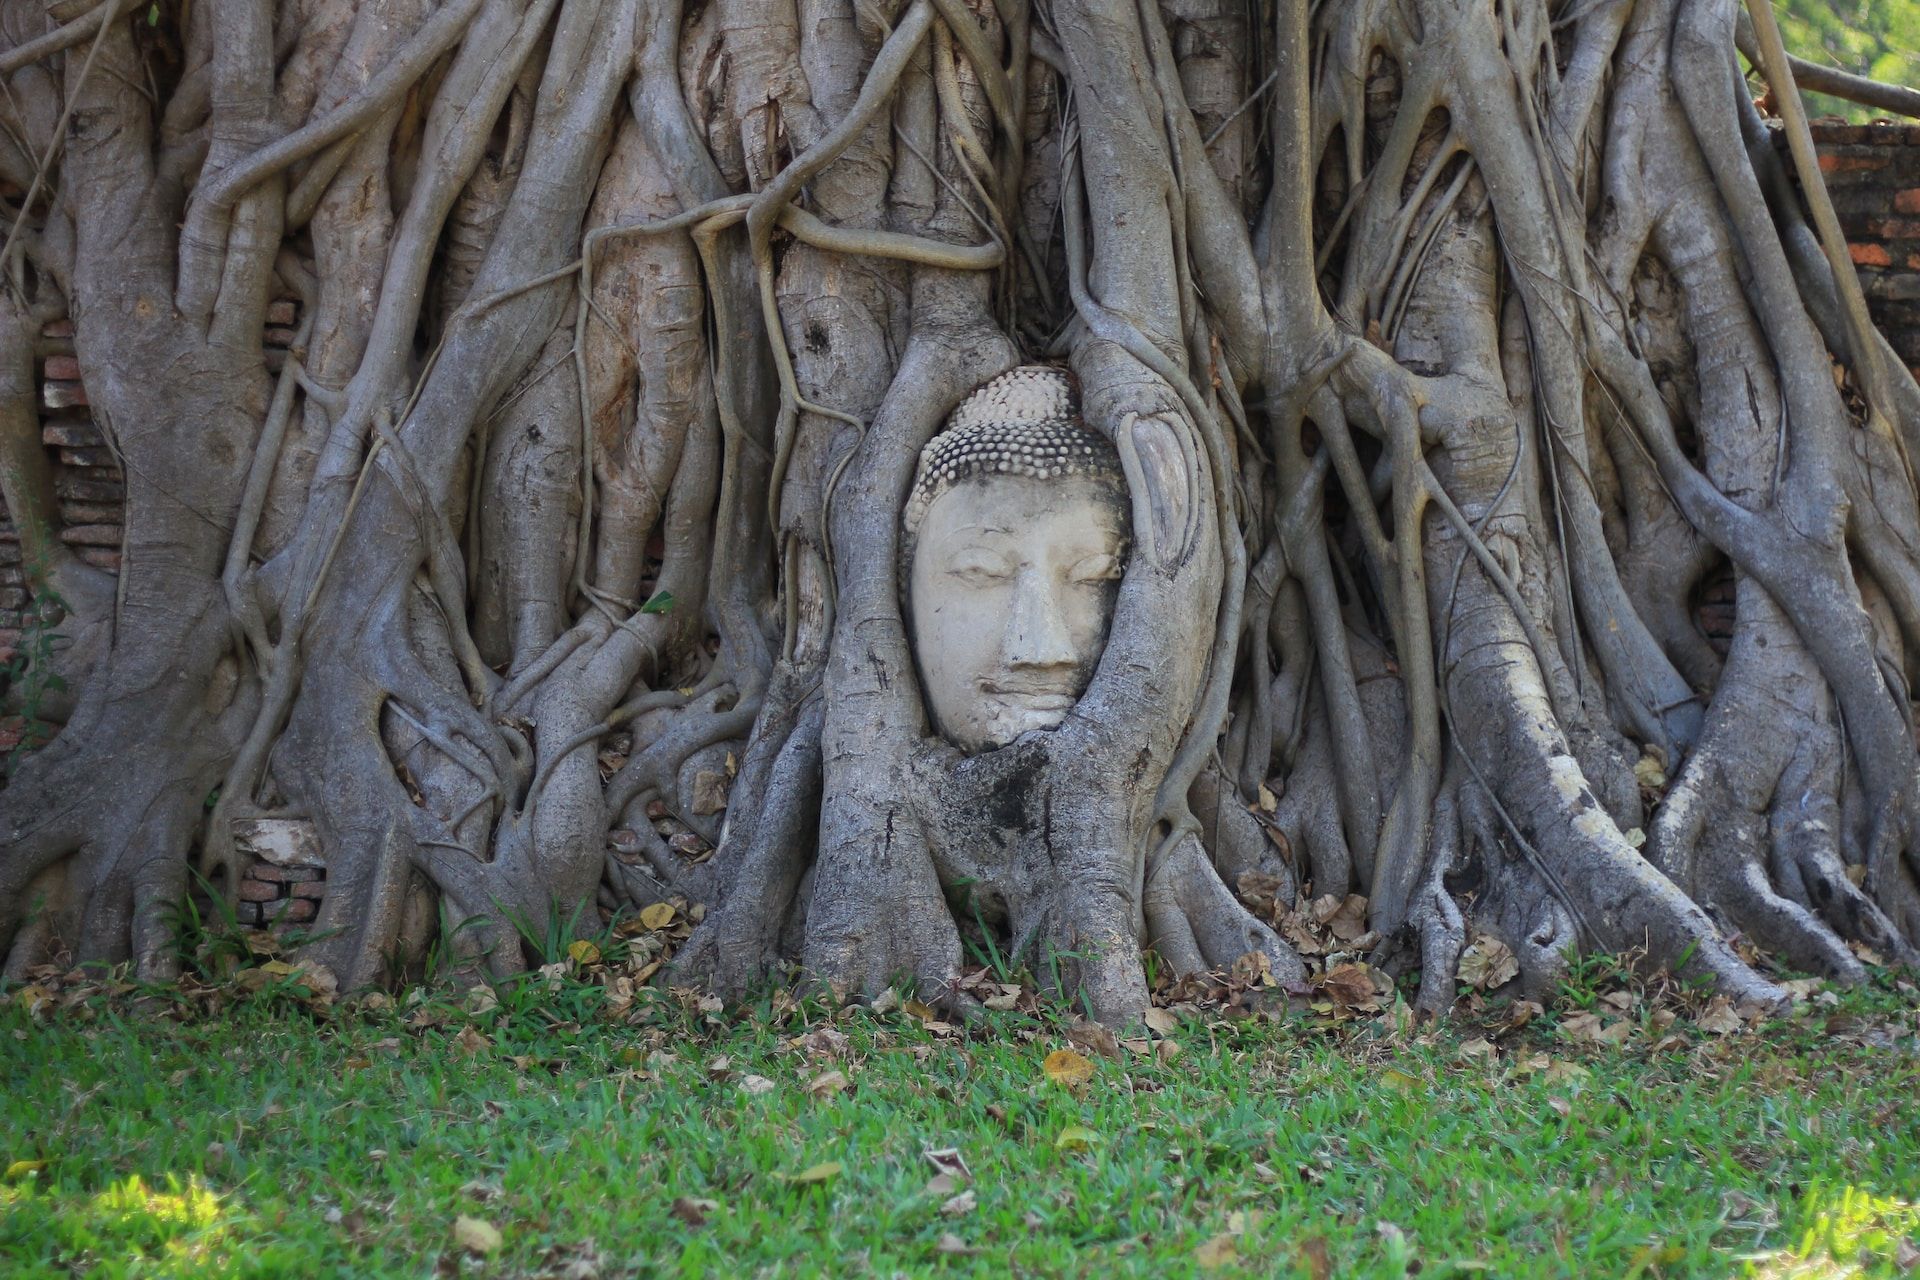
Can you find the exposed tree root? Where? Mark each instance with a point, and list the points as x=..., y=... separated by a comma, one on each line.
x=1446, y=351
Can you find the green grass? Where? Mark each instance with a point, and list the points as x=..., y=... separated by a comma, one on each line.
x=271, y=1140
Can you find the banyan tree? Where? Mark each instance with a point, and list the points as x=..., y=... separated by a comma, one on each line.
x=1063, y=480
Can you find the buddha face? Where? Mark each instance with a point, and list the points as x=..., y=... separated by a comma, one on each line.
x=1011, y=589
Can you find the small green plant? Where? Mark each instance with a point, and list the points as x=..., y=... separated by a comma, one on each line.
x=441, y=958
x=1590, y=976
x=549, y=943
x=210, y=946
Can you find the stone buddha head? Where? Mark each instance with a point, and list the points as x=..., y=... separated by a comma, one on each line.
x=1014, y=541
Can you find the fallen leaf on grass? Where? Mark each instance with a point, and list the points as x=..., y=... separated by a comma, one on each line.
x=476, y=1235
x=756, y=1085
x=21, y=1168
x=1075, y=1138
x=693, y=1210
x=1091, y=1038
x=1161, y=1022
x=1587, y=1028
x=1488, y=963
x=829, y=1083
x=1478, y=1047
x=582, y=952
x=1720, y=1019
x=657, y=915
x=952, y=1244
x=470, y=1042
x=1065, y=1067
x=826, y=1171
x=961, y=1204
x=1313, y=1256
x=1400, y=1082
x=1562, y=1072
x=1350, y=986
x=1220, y=1251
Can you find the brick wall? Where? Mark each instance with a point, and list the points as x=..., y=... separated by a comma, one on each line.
x=1873, y=173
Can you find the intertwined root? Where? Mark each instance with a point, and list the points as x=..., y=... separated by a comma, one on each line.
x=1422, y=480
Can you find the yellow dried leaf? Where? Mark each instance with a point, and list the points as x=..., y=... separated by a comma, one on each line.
x=919, y=1011
x=1075, y=1138
x=21, y=1168
x=657, y=915
x=1221, y=1251
x=476, y=1235
x=1064, y=1066
x=584, y=952
x=1400, y=1082
x=826, y=1171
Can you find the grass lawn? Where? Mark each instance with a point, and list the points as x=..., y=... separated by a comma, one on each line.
x=144, y=1136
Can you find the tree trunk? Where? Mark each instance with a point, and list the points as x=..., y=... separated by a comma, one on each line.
x=1444, y=350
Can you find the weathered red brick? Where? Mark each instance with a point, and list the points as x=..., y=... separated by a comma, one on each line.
x=1857, y=162
x=282, y=311
x=1870, y=255
x=63, y=368
x=72, y=433
x=314, y=889
x=292, y=911
x=100, y=457
x=90, y=512
x=101, y=558
x=264, y=870
x=61, y=328
x=252, y=890
x=1907, y=201
x=63, y=395
x=91, y=535
x=89, y=486
x=278, y=336
x=1894, y=228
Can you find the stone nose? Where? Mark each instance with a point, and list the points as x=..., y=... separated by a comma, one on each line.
x=1037, y=632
